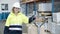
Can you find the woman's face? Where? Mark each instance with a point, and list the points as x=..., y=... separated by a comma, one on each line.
x=16, y=10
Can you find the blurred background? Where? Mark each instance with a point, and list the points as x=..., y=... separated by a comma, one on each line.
x=42, y=8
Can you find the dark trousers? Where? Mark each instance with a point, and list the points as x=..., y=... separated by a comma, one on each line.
x=15, y=32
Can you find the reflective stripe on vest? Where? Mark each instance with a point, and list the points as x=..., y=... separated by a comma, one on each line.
x=15, y=27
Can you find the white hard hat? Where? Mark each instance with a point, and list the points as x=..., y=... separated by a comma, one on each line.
x=17, y=5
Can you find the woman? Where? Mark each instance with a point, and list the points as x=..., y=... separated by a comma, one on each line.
x=15, y=19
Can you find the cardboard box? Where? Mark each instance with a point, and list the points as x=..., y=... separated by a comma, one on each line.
x=32, y=29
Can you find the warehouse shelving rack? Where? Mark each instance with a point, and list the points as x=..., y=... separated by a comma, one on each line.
x=34, y=3
x=35, y=9
x=28, y=2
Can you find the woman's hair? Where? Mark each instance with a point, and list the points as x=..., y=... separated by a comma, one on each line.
x=13, y=10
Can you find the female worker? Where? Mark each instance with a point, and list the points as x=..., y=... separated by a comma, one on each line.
x=15, y=19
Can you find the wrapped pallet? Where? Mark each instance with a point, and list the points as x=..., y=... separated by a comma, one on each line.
x=32, y=29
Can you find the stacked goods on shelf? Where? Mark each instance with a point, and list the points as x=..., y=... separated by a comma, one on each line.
x=28, y=1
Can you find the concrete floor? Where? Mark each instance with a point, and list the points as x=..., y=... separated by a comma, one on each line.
x=2, y=23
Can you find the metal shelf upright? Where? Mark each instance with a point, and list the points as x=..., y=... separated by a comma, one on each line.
x=52, y=9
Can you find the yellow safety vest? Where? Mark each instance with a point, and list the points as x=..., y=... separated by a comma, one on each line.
x=16, y=20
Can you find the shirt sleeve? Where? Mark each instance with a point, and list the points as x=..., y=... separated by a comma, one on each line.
x=6, y=29
x=28, y=20
x=8, y=21
x=25, y=19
